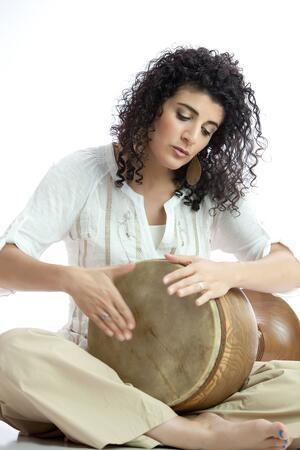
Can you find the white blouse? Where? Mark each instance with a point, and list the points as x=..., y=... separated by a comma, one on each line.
x=77, y=202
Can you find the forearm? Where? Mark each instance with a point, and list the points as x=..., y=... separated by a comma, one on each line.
x=21, y=272
x=277, y=272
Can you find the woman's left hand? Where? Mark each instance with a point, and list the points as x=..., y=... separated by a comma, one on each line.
x=210, y=278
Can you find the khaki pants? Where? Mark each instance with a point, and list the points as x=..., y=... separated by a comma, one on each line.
x=49, y=385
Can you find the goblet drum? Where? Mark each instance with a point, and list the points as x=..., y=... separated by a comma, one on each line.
x=190, y=357
x=278, y=325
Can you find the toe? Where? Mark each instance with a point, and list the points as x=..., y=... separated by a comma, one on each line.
x=273, y=443
x=279, y=430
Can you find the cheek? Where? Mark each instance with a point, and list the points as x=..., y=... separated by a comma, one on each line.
x=166, y=125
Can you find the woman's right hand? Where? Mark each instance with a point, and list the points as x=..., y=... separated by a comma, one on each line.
x=94, y=292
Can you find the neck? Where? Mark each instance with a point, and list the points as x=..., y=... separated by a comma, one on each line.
x=156, y=179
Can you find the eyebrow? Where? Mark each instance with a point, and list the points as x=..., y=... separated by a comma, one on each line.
x=211, y=122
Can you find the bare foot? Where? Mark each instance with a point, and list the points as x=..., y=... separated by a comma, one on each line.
x=210, y=432
x=252, y=434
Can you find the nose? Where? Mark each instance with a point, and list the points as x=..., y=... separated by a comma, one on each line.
x=190, y=135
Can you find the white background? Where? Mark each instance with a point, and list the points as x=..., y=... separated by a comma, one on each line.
x=63, y=65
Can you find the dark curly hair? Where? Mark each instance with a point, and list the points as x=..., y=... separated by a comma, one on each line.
x=234, y=149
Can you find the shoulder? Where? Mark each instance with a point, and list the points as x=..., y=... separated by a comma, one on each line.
x=244, y=206
x=86, y=162
x=73, y=177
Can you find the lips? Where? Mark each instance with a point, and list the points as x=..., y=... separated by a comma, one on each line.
x=181, y=150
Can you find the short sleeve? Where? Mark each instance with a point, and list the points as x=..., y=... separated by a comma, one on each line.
x=54, y=205
x=248, y=238
x=242, y=235
x=285, y=228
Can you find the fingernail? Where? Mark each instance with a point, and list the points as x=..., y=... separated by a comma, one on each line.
x=128, y=336
x=131, y=326
x=165, y=280
x=198, y=302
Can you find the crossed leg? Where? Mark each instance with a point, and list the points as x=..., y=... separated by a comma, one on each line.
x=48, y=383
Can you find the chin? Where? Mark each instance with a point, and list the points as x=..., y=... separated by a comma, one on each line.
x=175, y=165
x=170, y=162
x=171, y=165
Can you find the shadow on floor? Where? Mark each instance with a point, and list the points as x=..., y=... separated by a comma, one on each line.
x=10, y=439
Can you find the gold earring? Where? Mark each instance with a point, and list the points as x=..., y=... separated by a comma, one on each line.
x=193, y=172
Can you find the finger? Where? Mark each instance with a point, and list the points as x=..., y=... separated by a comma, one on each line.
x=121, y=336
x=121, y=269
x=178, y=274
x=122, y=308
x=101, y=324
x=114, y=314
x=193, y=289
x=173, y=288
x=115, y=321
x=204, y=298
x=179, y=259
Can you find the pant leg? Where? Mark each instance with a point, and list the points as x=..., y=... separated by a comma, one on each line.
x=272, y=392
x=48, y=383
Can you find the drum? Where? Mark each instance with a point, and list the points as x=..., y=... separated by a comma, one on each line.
x=278, y=325
x=190, y=357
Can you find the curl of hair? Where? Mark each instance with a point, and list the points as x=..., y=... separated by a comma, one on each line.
x=229, y=159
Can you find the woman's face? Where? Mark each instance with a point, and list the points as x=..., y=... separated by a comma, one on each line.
x=188, y=121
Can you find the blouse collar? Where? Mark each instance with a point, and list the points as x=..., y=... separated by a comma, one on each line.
x=113, y=168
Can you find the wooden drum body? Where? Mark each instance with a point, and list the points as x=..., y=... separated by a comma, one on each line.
x=278, y=325
x=190, y=357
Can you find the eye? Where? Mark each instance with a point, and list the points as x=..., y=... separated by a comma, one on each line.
x=181, y=117
x=184, y=118
x=205, y=132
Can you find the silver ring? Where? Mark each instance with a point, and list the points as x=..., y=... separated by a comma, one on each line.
x=104, y=316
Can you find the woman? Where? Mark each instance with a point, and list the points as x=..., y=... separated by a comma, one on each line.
x=173, y=185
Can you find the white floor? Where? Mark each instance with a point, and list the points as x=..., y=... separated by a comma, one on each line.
x=10, y=440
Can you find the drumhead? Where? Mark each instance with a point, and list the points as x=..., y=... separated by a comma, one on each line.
x=175, y=344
